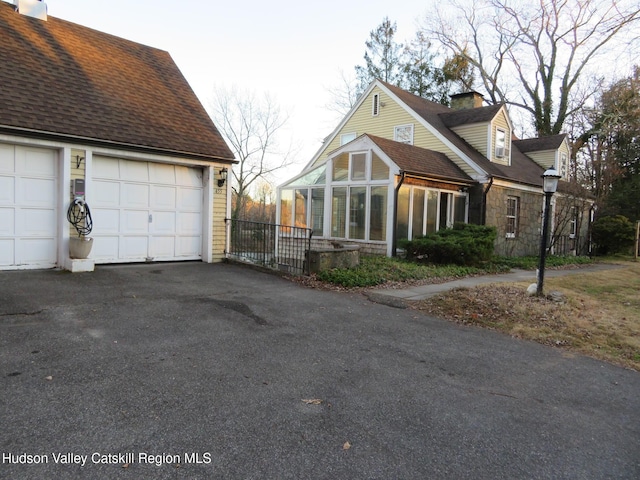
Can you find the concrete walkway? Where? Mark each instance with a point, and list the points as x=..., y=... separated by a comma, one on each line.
x=422, y=292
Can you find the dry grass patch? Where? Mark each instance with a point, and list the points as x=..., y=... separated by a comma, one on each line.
x=600, y=317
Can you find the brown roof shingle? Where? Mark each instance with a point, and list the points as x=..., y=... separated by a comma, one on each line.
x=63, y=80
x=522, y=169
x=551, y=142
x=421, y=161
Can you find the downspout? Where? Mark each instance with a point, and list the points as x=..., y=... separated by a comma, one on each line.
x=394, y=241
x=485, y=192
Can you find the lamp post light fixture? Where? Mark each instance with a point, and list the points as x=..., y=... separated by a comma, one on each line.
x=549, y=186
x=223, y=177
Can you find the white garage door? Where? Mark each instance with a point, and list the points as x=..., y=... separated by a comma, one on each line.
x=28, y=207
x=145, y=211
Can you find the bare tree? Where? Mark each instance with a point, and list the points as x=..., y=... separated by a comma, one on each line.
x=345, y=95
x=252, y=126
x=532, y=55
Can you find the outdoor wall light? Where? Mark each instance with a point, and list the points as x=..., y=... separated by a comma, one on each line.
x=549, y=186
x=223, y=176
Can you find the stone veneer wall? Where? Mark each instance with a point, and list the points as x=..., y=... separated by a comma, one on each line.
x=366, y=248
x=527, y=241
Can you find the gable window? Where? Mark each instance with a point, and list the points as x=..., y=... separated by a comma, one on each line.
x=513, y=211
x=375, y=109
x=346, y=138
x=501, y=142
x=358, y=166
x=403, y=134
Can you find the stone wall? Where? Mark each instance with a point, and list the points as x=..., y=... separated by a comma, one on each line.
x=527, y=240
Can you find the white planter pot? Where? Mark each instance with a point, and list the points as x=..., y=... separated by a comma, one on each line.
x=80, y=247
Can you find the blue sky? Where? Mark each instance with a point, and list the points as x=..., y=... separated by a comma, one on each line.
x=294, y=50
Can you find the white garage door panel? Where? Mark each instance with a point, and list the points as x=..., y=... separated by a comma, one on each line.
x=154, y=210
x=105, y=194
x=105, y=168
x=188, y=246
x=134, y=248
x=189, y=223
x=163, y=198
x=165, y=223
x=36, y=192
x=7, y=222
x=134, y=195
x=135, y=222
x=190, y=199
x=28, y=207
x=36, y=222
x=7, y=190
x=7, y=251
x=163, y=174
x=106, y=246
x=164, y=248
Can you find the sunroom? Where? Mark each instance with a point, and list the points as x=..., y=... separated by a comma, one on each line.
x=373, y=190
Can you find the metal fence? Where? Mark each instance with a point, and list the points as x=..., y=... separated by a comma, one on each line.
x=270, y=245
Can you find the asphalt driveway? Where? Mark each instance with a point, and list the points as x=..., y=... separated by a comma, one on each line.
x=220, y=371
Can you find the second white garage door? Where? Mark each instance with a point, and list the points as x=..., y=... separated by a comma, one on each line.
x=144, y=211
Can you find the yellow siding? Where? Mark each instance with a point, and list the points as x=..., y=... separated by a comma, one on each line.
x=546, y=159
x=76, y=172
x=475, y=135
x=391, y=115
x=219, y=233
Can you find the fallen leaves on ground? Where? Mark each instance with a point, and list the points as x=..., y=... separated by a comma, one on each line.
x=579, y=324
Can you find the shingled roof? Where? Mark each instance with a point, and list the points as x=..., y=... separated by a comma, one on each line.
x=522, y=169
x=551, y=142
x=421, y=161
x=64, y=81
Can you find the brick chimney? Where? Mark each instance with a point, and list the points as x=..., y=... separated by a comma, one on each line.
x=466, y=100
x=32, y=8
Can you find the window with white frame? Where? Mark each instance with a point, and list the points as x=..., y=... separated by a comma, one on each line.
x=422, y=211
x=573, y=222
x=513, y=209
x=375, y=107
x=359, y=166
x=563, y=165
x=501, y=143
x=347, y=137
x=403, y=134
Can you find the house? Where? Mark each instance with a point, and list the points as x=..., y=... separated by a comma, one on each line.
x=79, y=104
x=399, y=167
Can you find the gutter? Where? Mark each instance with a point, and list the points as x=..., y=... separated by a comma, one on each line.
x=485, y=192
x=96, y=142
x=394, y=241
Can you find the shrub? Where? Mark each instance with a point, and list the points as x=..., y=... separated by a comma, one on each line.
x=613, y=234
x=464, y=244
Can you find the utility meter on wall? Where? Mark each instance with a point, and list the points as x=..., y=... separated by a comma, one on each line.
x=77, y=186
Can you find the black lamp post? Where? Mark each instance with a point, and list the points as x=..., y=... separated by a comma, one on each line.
x=549, y=186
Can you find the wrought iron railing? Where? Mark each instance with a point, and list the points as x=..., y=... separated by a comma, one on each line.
x=270, y=245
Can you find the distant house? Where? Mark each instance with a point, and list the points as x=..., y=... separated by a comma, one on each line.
x=76, y=103
x=399, y=167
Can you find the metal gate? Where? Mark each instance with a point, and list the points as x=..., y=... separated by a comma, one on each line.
x=279, y=247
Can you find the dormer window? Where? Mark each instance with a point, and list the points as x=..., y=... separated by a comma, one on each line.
x=501, y=141
x=375, y=108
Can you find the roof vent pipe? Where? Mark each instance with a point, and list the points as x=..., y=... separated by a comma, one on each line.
x=32, y=8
